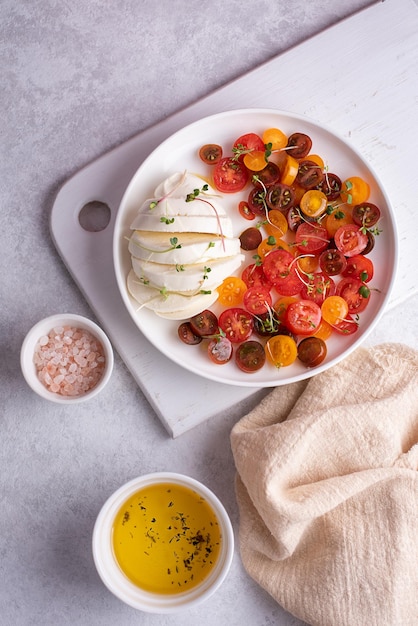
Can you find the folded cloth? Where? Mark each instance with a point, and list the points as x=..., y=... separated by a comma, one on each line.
x=327, y=488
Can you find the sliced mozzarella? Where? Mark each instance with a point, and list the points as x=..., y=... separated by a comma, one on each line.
x=180, y=184
x=195, y=247
x=169, y=304
x=221, y=226
x=189, y=277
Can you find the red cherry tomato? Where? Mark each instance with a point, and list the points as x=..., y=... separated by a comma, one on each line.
x=347, y=326
x=229, y=175
x=366, y=214
x=355, y=293
x=317, y=287
x=257, y=300
x=245, y=211
x=280, y=270
x=350, y=240
x=220, y=350
x=250, y=356
x=360, y=267
x=250, y=142
x=311, y=238
x=236, y=323
x=303, y=317
x=254, y=276
x=204, y=323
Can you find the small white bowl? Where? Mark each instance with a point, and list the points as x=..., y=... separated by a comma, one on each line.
x=41, y=329
x=121, y=586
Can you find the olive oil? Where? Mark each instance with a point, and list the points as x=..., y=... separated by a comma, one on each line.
x=166, y=538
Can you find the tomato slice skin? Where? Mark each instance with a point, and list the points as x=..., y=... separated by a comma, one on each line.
x=229, y=175
x=353, y=291
x=236, y=323
x=220, y=350
x=303, y=317
x=250, y=238
x=250, y=356
x=350, y=240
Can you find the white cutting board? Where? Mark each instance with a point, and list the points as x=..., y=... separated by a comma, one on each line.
x=360, y=78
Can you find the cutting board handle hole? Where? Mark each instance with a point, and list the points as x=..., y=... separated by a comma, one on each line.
x=94, y=216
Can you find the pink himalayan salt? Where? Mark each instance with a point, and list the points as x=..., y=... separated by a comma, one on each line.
x=69, y=361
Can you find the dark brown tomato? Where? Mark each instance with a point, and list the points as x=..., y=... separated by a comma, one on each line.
x=330, y=186
x=281, y=197
x=250, y=238
x=299, y=145
x=366, y=214
x=309, y=175
x=257, y=201
x=312, y=351
x=332, y=262
x=204, y=323
x=250, y=356
x=370, y=243
x=187, y=334
x=269, y=176
x=210, y=153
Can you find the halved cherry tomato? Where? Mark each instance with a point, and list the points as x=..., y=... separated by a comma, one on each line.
x=315, y=158
x=366, y=214
x=229, y=175
x=257, y=300
x=220, y=350
x=347, y=326
x=290, y=171
x=250, y=238
x=210, y=153
x=267, y=325
x=324, y=330
x=303, y=317
x=257, y=201
x=280, y=197
x=267, y=176
x=309, y=175
x=360, y=267
x=247, y=143
x=332, y=262
x=275, y=137
x=280, y=306
x=355, y=293
x=307, y=263
x=231, y=291
x=300, y=145
x=334, y=310
x=204, y=323
x=254, y=276
x=294, y=219
x=271, y=243
x=355, y=190
x=278, y=265
x=187, y=335
x=350, y=240
x=339, y=217
x=255, y=161
x=331, y=186
x=236, y=323
x=313, y=203
x=250, y=356
x=317, y=287
x=281, y=350
x=245, y=211
x=311, y=238
x=312, y=351
x=276, y=224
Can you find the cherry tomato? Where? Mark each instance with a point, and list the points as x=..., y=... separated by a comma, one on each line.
x=332, y=262
x=355, y=190
x=246, y=144
x=220, y=350
x=312, y=351
x=210, y=153
x=339, y=217
x=347, y=326
x=315, y=158
x=307, y=263
x=290, y=170
x=267, y=176
x=229, y=175
x=267, y=325
x=187, y=335
x=280, y=306
x=331, y=186
x=294, y=219
x=250, y=356
x=255, y=161
x=355, y=293
x=313, y=203
x=257, y=201
x=311, y=238
x=300, y=145
x=370, y=242
x=334, y=310
x=250, y=239
x=271, y=243
x=204, y=323
x=236, y=323
x=254, y=276
x=317, y=287
x=281, y=350
x=276, y=224
x=309, y=175
x=245, y=211
x=366, y=214
x=257, y=300
x=324, y=330
x=231, y=291
x=278, y=265
x=303, y=317
x=275, y=137
x=350, y=240
x=280, y=197
x=360, y=267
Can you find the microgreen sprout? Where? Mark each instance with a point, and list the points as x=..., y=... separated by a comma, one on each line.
x=196, y=192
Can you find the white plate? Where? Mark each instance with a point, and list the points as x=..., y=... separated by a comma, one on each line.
x=180, y=152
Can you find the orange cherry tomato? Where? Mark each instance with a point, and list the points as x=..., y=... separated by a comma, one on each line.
x=255, y=161
x=276, y=224
x=280, y=306
x=316, y=159
x=339, y=217
x=231, y=291
x=355, y=190
x=334, y=310
x=275, y=137
x=290, y=171
x=281, y=350
x=272, y=243
x=308, y=263
x=324, y=330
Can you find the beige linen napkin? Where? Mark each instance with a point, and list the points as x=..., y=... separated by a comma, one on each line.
x=327, y=487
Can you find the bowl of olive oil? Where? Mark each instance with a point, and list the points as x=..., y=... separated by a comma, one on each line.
x=163, y=542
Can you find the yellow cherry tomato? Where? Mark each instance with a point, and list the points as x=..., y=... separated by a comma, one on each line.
x=255, y=161
x=231, y=291
x=281, y=350
x=276, y=224
x=324, y=330
x=355, y=190
x=313, y=203
x=290, y=171
x=316, y=159
x=275, y=137
x=334, y=310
